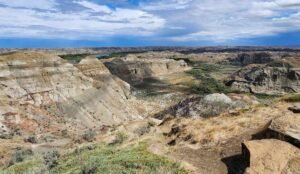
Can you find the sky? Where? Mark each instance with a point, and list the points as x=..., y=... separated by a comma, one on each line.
x=104, y=23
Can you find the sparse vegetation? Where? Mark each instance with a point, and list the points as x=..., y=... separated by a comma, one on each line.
x=51, y=159
x=202, y=72
x=73, y=58
x=111, y=160
x=120, y=138
x=266, y=96
x=120, y=54
x=207, y=83
x=89, y=135
x=142, y=130
x=31, y=139
x=293, y=98
x=27, y=167
x=100, y=159
x=20, y=155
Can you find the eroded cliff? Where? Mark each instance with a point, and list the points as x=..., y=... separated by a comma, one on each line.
x=42, y=89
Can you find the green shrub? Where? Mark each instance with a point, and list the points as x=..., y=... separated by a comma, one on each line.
x=90, y=168
x=114, y=160
x=51, y=158
x=20, y=155
x=74, y=58
x=207, y=83
x=89, y=135
x=26, y=167
x=31, y=139
x=266, y=96
x=119, y=139
x=142, y=130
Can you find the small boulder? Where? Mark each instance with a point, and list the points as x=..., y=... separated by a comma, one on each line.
x=217, y=98
x=294, y=109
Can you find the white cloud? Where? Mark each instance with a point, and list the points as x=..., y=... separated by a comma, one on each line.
x=288, y=3
x=15, y=22
x=95, y=7
x=177, y=20
x=166, y=5
x=38, y=4
x=224, y=20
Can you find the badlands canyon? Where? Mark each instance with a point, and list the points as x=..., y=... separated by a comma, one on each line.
x=150, y=110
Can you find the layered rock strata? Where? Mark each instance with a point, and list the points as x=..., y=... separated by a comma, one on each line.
x=38, y=89
x=134, y=70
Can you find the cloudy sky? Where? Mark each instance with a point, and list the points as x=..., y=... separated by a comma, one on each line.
x=78, y=23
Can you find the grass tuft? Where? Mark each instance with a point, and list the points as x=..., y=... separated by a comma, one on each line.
x=293, y=98
x=111, y=160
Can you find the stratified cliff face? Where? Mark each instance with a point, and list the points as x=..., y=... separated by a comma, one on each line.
x=102, y=77
x=134, y=70
x=244, y=59
x=37, y=88
x=266, y=79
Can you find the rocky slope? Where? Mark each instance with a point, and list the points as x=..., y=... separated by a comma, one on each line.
x=208, y=106
x=266, y=79
x=134, y=70
x=38, y=89
x=49, y=103
x=244, y=59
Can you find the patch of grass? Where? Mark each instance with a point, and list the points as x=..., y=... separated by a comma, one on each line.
x=111, y=160
x=20, y=155
x=121, y=54
x=207, y=83
x=207, y=67
x=120, y=138
x=33, y=166
x=266, y=96
x=102, y=159
x=292, y=99
x=187, y=60
x=74, y=58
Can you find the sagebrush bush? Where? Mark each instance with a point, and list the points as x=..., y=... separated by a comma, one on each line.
x=20, y=155
x=89, y=135
x=120, y=138
x=51, y=158
x=31, y=139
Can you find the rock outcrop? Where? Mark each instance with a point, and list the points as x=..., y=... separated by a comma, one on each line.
x=271, y=157
x=266, y=79
x=134, y=70
x=294, y=109
x=285, y=128
x=244, y=59
x=197, y=107
x=38, y=89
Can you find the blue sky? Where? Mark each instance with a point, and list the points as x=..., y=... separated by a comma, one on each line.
x=96, y=23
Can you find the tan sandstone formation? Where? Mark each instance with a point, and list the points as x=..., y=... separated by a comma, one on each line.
x=38, y=89
x=266, y=79
x=134, y=70
x=271, y=157
x=285, y=128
